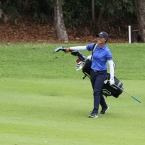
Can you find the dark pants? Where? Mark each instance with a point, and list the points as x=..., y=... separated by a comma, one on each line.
x=97, y=80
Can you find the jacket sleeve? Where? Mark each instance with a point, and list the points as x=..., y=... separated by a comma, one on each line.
x=77, y=48
x=111, y=64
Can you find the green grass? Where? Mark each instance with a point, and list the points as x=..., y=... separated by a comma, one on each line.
x=43, y=100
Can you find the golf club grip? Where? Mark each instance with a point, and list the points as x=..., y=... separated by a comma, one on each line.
x=136, y=99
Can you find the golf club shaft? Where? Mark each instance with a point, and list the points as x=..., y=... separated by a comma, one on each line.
x=132, y=97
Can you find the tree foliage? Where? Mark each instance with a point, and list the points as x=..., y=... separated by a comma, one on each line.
x=39, y=10
x=75, y=12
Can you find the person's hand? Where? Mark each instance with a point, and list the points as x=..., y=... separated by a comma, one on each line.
x=111, y=81
x=67, y=50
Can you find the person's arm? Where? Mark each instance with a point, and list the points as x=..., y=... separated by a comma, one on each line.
x=111, y=64
x=76, y=48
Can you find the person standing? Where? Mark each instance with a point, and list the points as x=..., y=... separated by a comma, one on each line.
x=101, y=54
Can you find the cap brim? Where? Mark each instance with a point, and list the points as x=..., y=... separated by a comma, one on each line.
x=99, y=35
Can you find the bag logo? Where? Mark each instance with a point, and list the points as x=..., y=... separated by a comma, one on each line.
x=105, y=91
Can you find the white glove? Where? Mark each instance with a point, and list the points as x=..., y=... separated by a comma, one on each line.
x=111, y=81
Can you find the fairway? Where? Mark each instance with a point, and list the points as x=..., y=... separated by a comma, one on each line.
x=43, y=100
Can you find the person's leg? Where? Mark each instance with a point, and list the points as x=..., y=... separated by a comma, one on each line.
x=93, y=76
x=102, y=101
x=103, y=104
x=97, y=80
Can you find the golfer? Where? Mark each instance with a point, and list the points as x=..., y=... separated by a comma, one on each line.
x=100, y=56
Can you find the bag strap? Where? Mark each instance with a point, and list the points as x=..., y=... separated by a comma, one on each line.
x=94, y=47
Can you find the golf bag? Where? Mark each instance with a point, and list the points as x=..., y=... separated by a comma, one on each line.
x=113, y=90
x=87, y=68
x=107, y=90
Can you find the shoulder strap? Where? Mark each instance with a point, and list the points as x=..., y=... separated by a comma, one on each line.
x=94, y=47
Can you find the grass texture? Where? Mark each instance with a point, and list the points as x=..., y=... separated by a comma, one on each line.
x=44, y=101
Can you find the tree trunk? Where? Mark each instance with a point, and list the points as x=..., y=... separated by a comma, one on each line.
x=140, y=10
x=93, y=18
x=60, y=29
x=98, y=26
x=93, y=12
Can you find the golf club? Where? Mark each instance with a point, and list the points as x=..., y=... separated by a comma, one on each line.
x=130, y=95
x=62, y=48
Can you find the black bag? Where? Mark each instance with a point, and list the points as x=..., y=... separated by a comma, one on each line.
x=87, y=68
x=114, y=90
x=107, y=90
